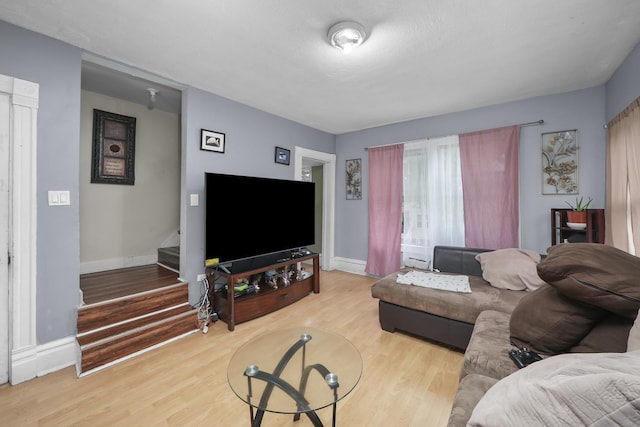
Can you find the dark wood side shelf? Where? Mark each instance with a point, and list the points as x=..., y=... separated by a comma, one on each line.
x=561, y=232
x=233, y=310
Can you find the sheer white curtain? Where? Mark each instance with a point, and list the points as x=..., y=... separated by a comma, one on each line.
x=433, y=210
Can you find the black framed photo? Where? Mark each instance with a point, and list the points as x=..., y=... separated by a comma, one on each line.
x=212, y=141
x=283, y=156
x=113, y=154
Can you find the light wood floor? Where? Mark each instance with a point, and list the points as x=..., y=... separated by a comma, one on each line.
x=406, y=381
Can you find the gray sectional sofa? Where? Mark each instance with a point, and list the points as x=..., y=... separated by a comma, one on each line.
x=479, y=323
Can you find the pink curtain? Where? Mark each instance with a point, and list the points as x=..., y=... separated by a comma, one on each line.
x=489, y=162
x=385, y=209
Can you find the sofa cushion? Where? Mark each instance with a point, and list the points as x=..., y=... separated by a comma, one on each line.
x=488, y=350
x=609, y=335
x=511, y=268
x=633, y=342
x=470, y=391
x=595, y=274
x=549, y=323
x=451, y=305
x=570, y=389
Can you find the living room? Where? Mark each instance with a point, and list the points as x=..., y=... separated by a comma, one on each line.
x=56, y=67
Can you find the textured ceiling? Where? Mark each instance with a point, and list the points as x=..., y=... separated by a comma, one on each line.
x=422, y=58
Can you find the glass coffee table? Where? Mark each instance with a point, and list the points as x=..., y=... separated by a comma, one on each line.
x=294, y=371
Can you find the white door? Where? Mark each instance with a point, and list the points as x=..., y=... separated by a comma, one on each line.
x=4, y=237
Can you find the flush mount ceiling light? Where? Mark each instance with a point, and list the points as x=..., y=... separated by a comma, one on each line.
x=346, y=35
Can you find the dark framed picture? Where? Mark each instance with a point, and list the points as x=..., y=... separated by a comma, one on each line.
x=283, y=156
x=212, y=141
x=353, y=179
x=113, y=153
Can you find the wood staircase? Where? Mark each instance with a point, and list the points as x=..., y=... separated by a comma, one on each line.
x=111, y=330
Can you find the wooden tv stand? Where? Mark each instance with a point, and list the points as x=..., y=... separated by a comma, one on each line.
x=232, y=309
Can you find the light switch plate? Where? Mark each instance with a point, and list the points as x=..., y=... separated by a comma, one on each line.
x=59, y=198
x=195, y=199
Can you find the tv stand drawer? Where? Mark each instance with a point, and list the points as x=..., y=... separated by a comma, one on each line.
x=249, y=308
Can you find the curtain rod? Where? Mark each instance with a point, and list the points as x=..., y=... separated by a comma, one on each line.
x=536, y=123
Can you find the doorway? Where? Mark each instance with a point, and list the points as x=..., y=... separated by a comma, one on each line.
x=156, y=105
x=327, y=162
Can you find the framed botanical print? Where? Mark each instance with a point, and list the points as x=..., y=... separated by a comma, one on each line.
x=560, y=162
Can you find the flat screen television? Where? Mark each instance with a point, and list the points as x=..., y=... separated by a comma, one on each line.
x=252, y=220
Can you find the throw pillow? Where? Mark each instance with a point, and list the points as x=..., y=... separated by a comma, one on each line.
x=511, y=268
x=595, y=274
x=549, y=323
x=569, y=389
x=609, y=335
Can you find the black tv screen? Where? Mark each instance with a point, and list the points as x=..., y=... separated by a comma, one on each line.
x=249, y=217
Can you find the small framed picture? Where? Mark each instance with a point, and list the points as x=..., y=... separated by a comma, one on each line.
x=282, y=155
x=212, y=141
x=353, y=179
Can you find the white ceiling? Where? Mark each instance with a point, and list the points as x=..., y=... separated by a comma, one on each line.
x=422, y=57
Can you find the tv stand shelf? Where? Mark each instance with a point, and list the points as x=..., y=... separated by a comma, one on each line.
x=237, y=309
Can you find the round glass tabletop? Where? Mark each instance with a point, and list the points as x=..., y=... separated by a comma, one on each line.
x=295, y=370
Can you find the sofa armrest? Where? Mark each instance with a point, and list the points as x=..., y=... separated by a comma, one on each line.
x=455, y=259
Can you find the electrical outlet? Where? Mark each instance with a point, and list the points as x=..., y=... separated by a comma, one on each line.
x=201, y=277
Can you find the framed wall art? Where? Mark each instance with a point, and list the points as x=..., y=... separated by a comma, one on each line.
x=283, y=156
x=353, y=170
x=113, y=153
x=560, y=162
x=212, y=141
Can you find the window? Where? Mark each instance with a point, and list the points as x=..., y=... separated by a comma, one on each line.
x=433, y=210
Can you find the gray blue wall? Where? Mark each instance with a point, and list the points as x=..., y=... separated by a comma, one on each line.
x=624, y=86
x=56, y=67
x=250, y=140
x=583, y=110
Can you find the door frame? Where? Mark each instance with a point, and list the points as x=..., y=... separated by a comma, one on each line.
x=22, y=345
x=328, y=162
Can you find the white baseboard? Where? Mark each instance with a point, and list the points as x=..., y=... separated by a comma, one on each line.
x=56, y=355
x=43, y=359
x=112, y=264
x=23, y=365
x=355, y=266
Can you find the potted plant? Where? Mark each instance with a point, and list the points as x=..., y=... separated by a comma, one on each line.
x=578, y=212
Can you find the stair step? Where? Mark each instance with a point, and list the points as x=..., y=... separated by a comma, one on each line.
x=100, y=315
x=130, y=324
x=116, y=347
x=169, y=257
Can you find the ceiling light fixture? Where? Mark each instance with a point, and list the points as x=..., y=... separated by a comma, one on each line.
x=346, y=35
x=152, y=97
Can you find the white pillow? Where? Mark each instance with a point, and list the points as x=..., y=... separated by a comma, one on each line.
x=511, y=268
x=570, y=389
